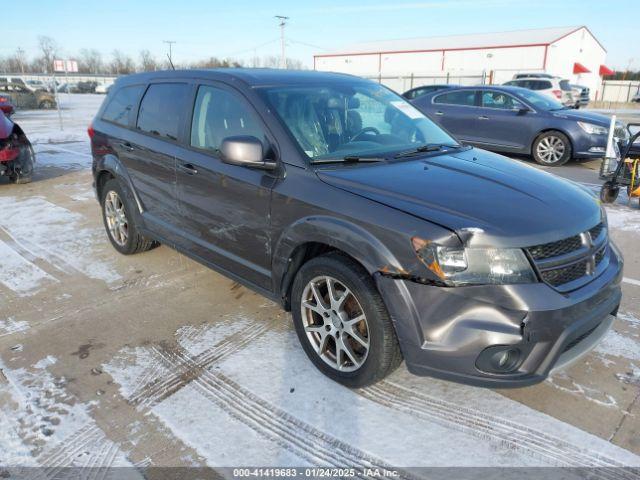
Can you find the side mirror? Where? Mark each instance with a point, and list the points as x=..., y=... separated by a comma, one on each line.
x=522, y=110
x=245, y=151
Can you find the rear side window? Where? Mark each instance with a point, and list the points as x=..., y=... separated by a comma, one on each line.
x=564, y=85
x=219, y=114
x=122, y=104
x=462, y=97
x=543, y=85
x=162, y=109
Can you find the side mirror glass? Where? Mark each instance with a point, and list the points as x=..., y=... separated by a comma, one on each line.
x=245, y=151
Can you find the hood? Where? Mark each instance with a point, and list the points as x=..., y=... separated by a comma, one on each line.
x=583, y=116
x=513, y=204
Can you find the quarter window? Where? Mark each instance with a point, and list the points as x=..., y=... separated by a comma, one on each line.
x=460, y=97
x=122, y=104
x=162, y=109
x=219, y=114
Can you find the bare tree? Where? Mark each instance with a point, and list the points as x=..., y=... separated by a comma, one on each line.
x=147, y=61
x=121, y=63
x=49, y=49
x=90, y=61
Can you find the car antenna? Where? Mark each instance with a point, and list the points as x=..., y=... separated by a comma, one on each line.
x=170, y=62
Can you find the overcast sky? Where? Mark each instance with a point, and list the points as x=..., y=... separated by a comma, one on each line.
x=242, y=28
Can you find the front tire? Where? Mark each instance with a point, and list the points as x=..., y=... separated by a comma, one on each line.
x=119, y=222
x=552, y=149
x=342, y=322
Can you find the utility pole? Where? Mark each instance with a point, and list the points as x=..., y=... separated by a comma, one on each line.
x=170, y=42
x=283, y=57
x=20, y=55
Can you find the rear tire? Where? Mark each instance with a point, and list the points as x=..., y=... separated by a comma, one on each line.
x=119, y=221
x=24, y=173
x=551, y=149
x=355, y=296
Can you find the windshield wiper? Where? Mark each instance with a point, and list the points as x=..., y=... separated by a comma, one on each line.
x=347, y=159
x=429, y=147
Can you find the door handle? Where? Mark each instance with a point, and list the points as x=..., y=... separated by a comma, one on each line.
x=188, y=168
x=127, y=146
x=439, y=113
x=483, y=117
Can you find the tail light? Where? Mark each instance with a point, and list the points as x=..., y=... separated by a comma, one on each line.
x=557, y=93
x=9, y=152
x=90, y=131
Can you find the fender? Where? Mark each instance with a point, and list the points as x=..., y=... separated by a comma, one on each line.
x=352, y=239
x=112, y=164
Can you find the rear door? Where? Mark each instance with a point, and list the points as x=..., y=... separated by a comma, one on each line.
x=457, y=112
x=225, y=208
x=148, y=153
x=501, y=122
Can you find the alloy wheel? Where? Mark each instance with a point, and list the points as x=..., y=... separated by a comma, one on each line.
x=550, y=149
x=335, y=324
x=116, y=218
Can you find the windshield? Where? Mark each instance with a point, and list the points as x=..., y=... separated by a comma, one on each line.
x=541, y=102
x=352, y=119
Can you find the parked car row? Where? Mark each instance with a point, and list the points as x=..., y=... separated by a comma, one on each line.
x=518, y=120
x=23, y=98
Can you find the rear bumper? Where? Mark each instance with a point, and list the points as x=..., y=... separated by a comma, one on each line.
x=443, y=331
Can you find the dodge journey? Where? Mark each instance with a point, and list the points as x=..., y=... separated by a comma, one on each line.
x=386, y=238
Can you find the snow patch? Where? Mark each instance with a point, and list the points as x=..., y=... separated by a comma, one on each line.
x=624, y=219
x=19, y=274
x=11, y=326
x=34, y=221
x=618, y=345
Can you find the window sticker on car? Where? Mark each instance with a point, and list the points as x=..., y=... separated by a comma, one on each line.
x=409, y=110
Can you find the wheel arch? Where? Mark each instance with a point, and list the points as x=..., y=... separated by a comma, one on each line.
x=109, y=166
x=314, y=236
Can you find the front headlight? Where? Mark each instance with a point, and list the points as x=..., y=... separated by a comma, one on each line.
x=593, y=129
x=474, y=266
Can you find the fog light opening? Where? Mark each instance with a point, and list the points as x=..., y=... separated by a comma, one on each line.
x=505, y=360
x=500, y=359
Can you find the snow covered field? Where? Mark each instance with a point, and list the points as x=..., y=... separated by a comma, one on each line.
x=154, y=360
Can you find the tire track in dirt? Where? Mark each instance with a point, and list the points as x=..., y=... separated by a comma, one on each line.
x=158, y=389
x=271, y=422
x=506, y=433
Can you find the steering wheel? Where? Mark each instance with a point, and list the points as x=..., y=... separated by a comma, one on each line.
x=365, y=130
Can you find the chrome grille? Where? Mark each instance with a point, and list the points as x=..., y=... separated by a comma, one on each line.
x=571, y=262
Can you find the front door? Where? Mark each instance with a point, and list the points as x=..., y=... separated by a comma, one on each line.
x=502, y=122
x=225, y=208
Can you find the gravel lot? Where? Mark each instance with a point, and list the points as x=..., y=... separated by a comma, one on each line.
x=154, y=360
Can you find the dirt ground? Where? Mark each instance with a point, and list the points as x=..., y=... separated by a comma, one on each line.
x=154, y=360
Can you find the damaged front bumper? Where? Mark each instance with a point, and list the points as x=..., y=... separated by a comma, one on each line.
x=455, y=332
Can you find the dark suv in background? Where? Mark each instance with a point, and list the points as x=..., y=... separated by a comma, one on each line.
x=385, y=237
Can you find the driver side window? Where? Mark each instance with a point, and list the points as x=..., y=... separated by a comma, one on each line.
x=500, y=101
x=219, y=114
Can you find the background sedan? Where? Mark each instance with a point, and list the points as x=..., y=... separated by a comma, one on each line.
x=518, y=120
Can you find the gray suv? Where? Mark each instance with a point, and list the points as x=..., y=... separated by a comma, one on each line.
x=385, y=237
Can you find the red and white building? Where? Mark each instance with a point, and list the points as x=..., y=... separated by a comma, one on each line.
x=573, y=53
